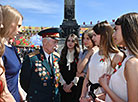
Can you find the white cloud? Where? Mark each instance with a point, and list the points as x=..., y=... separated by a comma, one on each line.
x=35, y=6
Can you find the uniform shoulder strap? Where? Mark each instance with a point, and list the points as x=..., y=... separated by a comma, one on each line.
x=33, y=53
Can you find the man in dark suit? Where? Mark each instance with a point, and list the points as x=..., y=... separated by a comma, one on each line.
x=40, y=73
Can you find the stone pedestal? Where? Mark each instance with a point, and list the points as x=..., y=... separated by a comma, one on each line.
x=69, y=24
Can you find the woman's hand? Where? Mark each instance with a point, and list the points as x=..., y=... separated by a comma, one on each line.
x=67, y=88
x=91, y=51
x=85, y=99
x=64, y=85
x=104, y=80
x=80, y=74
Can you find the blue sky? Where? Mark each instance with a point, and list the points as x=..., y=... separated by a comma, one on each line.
x=50, y=13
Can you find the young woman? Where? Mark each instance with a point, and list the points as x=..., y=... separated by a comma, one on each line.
x=84, y=58
x=126, y=87
x=103, y=60
x=4, y=93
x=68, y=68
x=12, y=21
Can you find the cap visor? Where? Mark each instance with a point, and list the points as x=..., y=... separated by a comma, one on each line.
x=55, y=38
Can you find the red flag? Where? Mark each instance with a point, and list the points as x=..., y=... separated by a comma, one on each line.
x=113, y=20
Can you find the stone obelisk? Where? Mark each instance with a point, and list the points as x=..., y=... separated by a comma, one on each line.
x=69, y=24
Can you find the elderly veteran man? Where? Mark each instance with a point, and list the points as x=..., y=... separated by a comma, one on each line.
x=40, y=73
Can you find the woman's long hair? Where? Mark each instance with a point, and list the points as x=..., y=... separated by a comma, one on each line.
x=65, y=50
x=106, y=41
x=1, y=17
x=129, y=27
x=10, y=15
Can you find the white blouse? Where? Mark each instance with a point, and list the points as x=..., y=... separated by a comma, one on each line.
x=97, y=68
x=118, y=83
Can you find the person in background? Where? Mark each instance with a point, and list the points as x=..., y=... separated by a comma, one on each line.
x=40, y=71
x=103, y=61
x=89, y=48
x=68, y=68
x=126, y=87
x=12, y=20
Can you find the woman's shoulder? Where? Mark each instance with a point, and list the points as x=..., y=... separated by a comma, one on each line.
x=131, y=69
x=82, y=52
x=132, y=63
x=119, y=56
x=95, y=48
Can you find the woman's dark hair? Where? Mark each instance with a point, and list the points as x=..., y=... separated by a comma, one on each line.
x=129, y=27
x=89, y=32
x=65, y=50
x=106, y=41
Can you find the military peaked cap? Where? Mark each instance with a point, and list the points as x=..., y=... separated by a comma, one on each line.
x=50, y=32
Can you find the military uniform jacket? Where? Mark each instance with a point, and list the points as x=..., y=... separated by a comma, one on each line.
x=39, y=80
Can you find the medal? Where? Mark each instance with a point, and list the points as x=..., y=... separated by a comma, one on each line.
x=44, y=84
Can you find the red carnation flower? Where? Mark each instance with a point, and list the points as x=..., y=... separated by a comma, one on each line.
x=119, y=63
x=32, y=45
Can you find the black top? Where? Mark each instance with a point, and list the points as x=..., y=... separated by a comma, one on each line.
x=68, y=75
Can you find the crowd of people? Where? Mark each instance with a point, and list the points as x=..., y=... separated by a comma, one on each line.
x=104, y=70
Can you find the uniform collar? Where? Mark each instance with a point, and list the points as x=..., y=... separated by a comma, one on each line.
x=46, y=55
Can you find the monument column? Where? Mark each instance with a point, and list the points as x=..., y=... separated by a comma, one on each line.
x=69, y=24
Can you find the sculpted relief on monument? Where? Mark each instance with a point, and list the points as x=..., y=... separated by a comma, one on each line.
x=69, y=2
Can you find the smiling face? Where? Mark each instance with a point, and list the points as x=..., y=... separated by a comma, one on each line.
x=49, y=45
x=70, y=43
x=96, y=38
x=117, y=36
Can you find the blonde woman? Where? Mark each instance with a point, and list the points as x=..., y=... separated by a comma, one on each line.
x=12, y=20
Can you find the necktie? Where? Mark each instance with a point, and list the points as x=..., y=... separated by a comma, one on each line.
x=50, y=65
x=49, y=62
